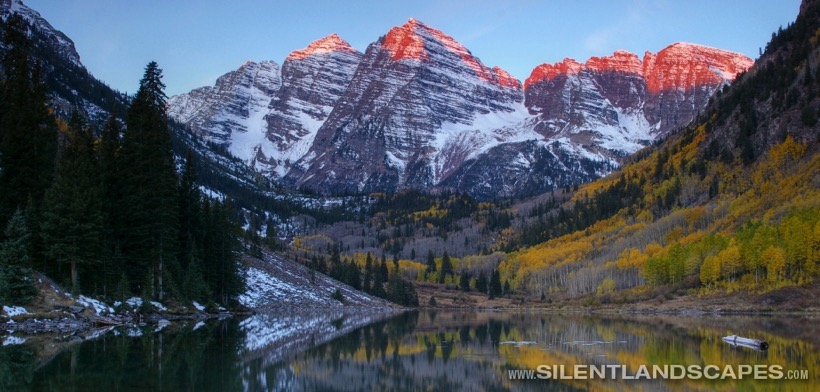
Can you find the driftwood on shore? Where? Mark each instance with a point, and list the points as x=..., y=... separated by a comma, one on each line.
x=760, y=345
x=107, y=321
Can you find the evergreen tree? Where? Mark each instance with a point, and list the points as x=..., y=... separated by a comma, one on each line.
x=190, y=215
x=221, y=253
x=431, y=263
x=28, y=131
x=446, y=267
x=354, y=276
x=401, y=292
x=337, y=270
x=270, y=235
x=368, y=274
x=107, y=155
x=379, y=278
x=16, y=285
x=72, y=214
x=495, y=285
x=150, y=188
x=193, y=285
x=481, y=283
x=464, y=281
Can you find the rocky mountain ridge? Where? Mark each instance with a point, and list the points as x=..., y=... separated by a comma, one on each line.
x=418, y=110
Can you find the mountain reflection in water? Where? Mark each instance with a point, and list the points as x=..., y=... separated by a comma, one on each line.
x=329, y=350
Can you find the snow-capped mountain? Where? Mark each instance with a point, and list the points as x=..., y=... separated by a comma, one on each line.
x=418, y=110
x=54, y=37
x=70, y=84
x=612, y=106
x=230, y=112
x=407, y=119
x=268, y=115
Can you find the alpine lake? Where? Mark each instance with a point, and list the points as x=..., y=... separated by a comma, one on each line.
x=329, y=350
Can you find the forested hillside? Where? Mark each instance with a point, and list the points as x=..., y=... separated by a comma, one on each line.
x=108, y=215
x=729, y=203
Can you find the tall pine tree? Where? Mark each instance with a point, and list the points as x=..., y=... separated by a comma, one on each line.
x=446, y=267
x=28, y=131
x=149, y=203
x=108, y=148
x=72, y=215
x=16, y=285
x=221, y=251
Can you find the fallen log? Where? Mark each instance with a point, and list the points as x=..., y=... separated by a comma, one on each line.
x=734, y=340
x=106, y=321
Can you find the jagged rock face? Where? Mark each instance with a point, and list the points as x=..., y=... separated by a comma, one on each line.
x=418, y=110
x=228, y=114
x=391, y=129
x=524, y=168
x=56, y=39
x=681, y=78
x=314, y=79
x=268, y=116
x=611, y=106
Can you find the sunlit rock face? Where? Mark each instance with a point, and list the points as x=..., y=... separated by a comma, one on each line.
x=419, y=105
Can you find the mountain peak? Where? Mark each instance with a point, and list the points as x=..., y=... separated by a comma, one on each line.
x=331, y=43
x=679, y=65
x=547, y=72
x=686, y=65
x=417, y=41
x=404, y=42
x=620, y=61
x=505, y=79
x=65, y=44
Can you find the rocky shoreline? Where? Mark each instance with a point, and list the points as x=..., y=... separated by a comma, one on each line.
x=81, y=322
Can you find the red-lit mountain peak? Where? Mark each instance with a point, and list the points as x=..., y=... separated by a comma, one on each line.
x=329, y=44
x=417, y=41
x=547, y=72
x=505, y=79
x=678, y=66
x=620, y=61
x=684, y=65
x=404, y=43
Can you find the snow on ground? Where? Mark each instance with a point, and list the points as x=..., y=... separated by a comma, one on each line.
x=13, y=340
x=136, y=302
x=264, y=287
x=275, y=282
x=14, y=310
x=98, y=306
x=198, y=306
x=274, y=335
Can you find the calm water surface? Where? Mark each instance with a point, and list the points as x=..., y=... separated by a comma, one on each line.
x=437, y=351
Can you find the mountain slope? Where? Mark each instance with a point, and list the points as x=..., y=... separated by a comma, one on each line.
x=269, y=116
x=729, y=203
x=69, y=83
x=274, y=283
x=400, y=121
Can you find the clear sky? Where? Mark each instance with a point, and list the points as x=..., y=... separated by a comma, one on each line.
x=195, y=42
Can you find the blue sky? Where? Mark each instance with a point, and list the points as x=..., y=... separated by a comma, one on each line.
x=195, y=42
